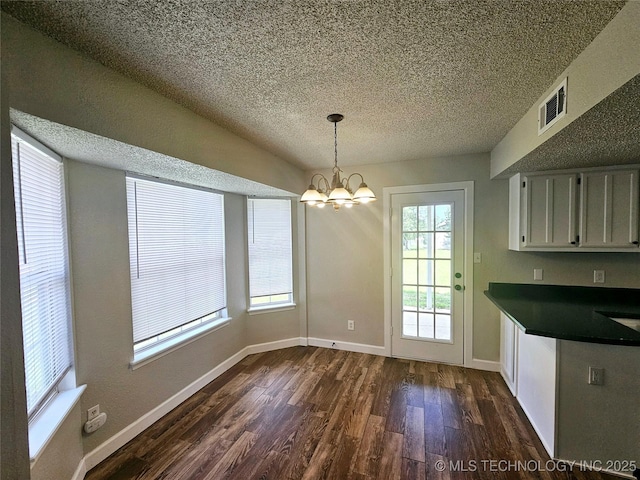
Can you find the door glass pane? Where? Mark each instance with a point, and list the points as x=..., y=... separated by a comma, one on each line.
x=409, y=219
x=425, y=218
x=443, y=327
x=410, y=271
x=443, y=245
x=409, y=245
x=443, y=272
x=410, y=324
x=425, y=242
x=409, y=298
x=443, y=299
x=443, y=217
x=426, y=325
x=425, y=272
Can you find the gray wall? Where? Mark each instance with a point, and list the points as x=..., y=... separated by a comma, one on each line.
x=345, y=255
x=102, y=305
x=14, y=457
x=65, y=87
x=598, y=422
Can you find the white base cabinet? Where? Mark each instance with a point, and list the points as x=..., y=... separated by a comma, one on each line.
x=529, y=366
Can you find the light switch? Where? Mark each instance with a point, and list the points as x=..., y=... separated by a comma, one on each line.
x=537, y=274
x=477, y=257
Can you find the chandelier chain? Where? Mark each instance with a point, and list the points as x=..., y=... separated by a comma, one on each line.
x=335, y=145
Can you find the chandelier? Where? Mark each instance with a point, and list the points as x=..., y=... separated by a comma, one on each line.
x=338, y=193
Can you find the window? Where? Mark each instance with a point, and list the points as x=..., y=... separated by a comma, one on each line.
x=177, y=259
x=44, y=268
x=270, y=251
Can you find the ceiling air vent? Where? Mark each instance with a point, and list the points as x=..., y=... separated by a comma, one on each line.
x=553, y=108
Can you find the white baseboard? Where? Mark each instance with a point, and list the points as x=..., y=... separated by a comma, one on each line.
x=101, y=452
x=349, y=346
x=277, y=345
x=547, y=447
x=487, y=365
x=81, y=471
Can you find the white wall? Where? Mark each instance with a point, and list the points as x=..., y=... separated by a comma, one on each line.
x=611, y=60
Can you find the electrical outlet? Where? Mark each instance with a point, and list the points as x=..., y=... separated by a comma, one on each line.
x=598, y=276
x=93, y=412
x=537, y=274
x=596, y=376
x=351, y=325
x=93, y=425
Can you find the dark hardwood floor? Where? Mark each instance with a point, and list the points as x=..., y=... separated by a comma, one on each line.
x=312, y=413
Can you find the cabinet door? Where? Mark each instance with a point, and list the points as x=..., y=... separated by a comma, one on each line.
x=609, y=209
x=508, y=353
x=550, y=210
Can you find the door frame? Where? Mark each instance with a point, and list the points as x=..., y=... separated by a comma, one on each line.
x=467, y=188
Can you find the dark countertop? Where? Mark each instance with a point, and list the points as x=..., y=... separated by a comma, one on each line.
x=582, y=314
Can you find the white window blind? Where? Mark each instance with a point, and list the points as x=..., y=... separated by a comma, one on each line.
x=176, y=249
x=269, y=239
x=44, y=267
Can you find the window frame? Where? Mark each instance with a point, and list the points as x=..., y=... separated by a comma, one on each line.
x=148, y=350
x=277, y=306
x=48, y=414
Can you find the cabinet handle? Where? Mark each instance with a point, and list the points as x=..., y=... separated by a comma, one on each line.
x=635, y=242
x=573, y=243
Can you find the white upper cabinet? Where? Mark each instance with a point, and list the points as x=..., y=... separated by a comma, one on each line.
x=609, y=209
x=550, y=210
x=593, y=210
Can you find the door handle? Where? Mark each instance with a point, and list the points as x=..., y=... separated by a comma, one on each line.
x=458, y=275
x=458, y=287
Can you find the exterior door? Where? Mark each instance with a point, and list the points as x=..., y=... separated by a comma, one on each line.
x=427, y=285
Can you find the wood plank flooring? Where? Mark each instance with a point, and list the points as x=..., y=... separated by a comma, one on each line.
x=314, y=413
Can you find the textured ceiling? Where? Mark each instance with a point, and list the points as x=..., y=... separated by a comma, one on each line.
x=607, y=134
x=90, y=148
x=413, y=78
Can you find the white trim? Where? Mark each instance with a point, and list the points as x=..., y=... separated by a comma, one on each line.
x=271, y=308
x=165, y=347
x=25, y=137
x=486, y=365
x=349, y=346
x=48, y=421
x=276, y=345
x=128, y=433
x=545, y=444
x=468, y=189
x=81, y=471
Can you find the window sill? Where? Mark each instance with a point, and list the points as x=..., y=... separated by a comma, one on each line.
x=47, y=423
x=271, y=308
x=149, y=355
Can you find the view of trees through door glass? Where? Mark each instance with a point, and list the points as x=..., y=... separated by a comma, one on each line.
x=426, y=272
